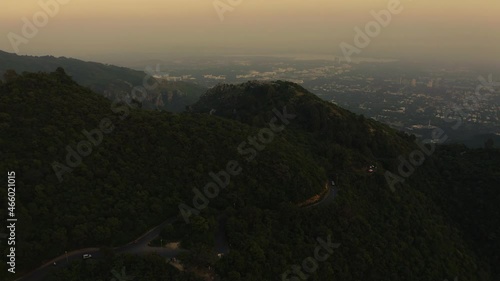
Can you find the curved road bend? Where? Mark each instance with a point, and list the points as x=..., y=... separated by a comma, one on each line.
x=139, y=246
x=332, y=192
x=221, y=245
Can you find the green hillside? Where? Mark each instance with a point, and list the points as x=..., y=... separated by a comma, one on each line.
x=440, y=223
x=111, y=81
x=135, y=177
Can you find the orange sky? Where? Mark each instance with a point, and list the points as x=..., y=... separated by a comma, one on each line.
x=445, y=28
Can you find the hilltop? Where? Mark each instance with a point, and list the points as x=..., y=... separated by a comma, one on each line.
x=111, y=81
x=148, y=162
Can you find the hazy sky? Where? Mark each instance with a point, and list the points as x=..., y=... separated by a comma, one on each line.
x=444, y=29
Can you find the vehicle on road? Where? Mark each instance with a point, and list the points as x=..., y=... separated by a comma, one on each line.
x=54, y=263
x=87, y=256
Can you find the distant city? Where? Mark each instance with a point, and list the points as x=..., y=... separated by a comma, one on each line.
x=461, y=101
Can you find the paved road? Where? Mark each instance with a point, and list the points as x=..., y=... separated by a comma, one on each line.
x=221, y=245
x=139, y=246
x=327, y=199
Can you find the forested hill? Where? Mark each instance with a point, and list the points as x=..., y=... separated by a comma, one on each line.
x=288, y=144
x=98, y=76
x=330, y=128
x=135, y=177
x=460, y=184
x=113, y=82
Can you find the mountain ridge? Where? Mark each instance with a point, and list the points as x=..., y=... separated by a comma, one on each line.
x=151, y=161
x=114, y=82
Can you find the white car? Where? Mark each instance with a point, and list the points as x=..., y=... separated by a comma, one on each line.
x=87, y=256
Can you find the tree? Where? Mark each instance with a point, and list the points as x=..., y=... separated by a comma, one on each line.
x=233, y=275
x=10, y=75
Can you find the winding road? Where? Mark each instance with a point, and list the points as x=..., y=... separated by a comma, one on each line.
x=141, y=245
x=327, y=199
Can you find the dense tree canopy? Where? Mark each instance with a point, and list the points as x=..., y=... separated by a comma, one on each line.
x=442, y=222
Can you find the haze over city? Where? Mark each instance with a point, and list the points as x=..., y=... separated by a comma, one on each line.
x=448, y=31
x=250, y=140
